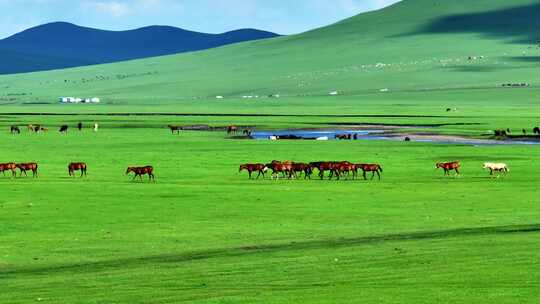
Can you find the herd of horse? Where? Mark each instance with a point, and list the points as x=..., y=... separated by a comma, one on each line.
x=72, y=168
x=290, y=169
x=14, y=129
x=345, y=169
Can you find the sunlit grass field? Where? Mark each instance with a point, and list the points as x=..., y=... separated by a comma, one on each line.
x=205, y=233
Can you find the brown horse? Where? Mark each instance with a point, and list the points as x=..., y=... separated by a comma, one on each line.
x=232, y=129
x=373, y=168
x=28, y=166
x=9, y=166
x=285, y=168
x=72, y=167
x=343, y=168
x=447, y=167
x=326, y=166
x=140, y=171
x=260, y=168
x=302, y=168
x=174, y=129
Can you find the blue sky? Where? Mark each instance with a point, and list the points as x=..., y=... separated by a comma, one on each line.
x=212, y=16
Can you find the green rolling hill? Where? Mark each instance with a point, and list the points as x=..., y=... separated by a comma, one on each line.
x=414, y=45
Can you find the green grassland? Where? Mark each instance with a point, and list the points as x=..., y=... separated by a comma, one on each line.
x=204, y=233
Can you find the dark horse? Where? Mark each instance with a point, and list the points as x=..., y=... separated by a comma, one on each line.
x=63, y=129
x=28, y=166
x=302, y=168
x=447, y=167
x=175, y=129
x=326, y=166
x=373, y=168
x=140, y=171
x=15, y=130
x=250, y=168
x=9, y=166
x=232, y=129
x=77, y=167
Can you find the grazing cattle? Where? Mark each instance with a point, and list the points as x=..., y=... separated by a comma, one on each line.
x=232, y=129
x=447, y=167
x=302, y=168
x=373, y=168
x=175, y=129
x=9, y=166
x=140, y=171
x=96, y=127
x=285, y=168
x=79, y=126
x=250, y=168
x=72, y=167
x=15, y=130
x=63, y=129
x=496, y=167
x=28, y=166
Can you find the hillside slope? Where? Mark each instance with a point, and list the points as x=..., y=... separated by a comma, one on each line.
x=410, y=46
x=73, y=45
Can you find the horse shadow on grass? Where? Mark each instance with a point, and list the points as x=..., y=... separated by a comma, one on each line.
x=184, y=257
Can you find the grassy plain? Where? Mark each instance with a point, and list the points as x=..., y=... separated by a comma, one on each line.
x=206, y=234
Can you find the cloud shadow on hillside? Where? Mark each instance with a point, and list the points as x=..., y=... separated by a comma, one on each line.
x=519, y=24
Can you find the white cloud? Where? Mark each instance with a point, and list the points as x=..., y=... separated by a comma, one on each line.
x=113, y=8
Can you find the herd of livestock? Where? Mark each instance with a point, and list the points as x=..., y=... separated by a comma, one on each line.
x=72, y=168
x=283, y=169
x=344, y=169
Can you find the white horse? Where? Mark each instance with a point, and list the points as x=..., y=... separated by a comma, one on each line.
x=496, y=167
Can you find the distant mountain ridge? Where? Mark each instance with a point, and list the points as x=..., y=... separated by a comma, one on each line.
x=62, y=45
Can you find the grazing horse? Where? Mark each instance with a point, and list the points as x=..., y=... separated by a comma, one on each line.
x=9, y=166
x=373, y=168
x=72, y=167
x=536, y=130
x=496, y=167
x=343, y=168
x=284, y=168
x=325, y=166
x=38, y=128
x=447, y=167
x=302, y=167
x=260, y=168
x=64, y=129
x=342, y=136
x=15, y=130
x=175, y=129
x=232, y=129
x=28, y=166
x=140, y=171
